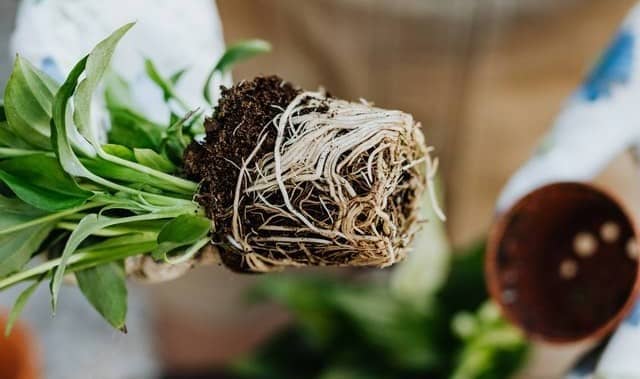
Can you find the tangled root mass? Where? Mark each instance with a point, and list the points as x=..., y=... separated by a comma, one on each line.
x=295, y=178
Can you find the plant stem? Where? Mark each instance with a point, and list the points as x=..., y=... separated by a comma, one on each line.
x=51, y=217
x=82, y=260
x=9, y=152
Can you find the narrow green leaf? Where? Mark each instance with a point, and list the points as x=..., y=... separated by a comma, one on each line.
x=39, y=197
x=18, y=306
x=87, y=226
x=114, y=171
x=97, y=63
x=16, y=248
x=181, y=231
x=14, y=211
x=3, y=115
x=59, y=134
x=117, y=93
x=185, y=229
x=9, y=139
x=165, y=85
x=234, y=54
x=133, y=130
x=105, y=288
x=43, y=171
x=154, y=160
x=175, y=141
x=39, y=180
x=27, y=103
x=175, y=78
x=119, y=151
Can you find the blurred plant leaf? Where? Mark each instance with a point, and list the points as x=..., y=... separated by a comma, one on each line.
x=117, y=93
x=464, y=288
x=235, y=53
x=166, y=85
x=368, y=330
x=492, y=348
x=18, y=306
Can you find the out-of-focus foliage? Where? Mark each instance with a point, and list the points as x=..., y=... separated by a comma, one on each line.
x=346, y=329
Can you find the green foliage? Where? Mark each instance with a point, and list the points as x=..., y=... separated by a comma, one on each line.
x=27, y=103
x=16, y=248
x=133, y=130
x=153, y=160
x=90, y=205
x=352, y=330
x=17, y=308
x=39, y=180
x=236, y=53
x=105, y=288
x=182, y=231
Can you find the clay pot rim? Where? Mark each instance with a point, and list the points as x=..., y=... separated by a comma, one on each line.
x=496, y=234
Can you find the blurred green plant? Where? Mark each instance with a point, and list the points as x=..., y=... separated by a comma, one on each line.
x=346, y=329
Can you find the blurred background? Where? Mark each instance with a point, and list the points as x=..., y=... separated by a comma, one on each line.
x=485, y=78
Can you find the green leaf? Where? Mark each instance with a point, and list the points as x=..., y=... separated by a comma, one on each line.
x=39, y=180
x=133, y=130
x=63, y=135
x=3, y=115
x=175, y=78
x=14, y=211
x=96, y=66
x=117, y=93
x=27, y=103
x=236, y=53
x=59, y=134
x=9, y=139
x=168, y=91
x=87, y=226
x=21, y=301
x=114, y=171
x=154, y=160
x=16, y=248
x=183, y=230
x=175, y=141
x=128, y=127
x=106, y=289
x=119, y=151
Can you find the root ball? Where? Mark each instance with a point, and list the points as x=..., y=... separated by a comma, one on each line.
x=295, y=178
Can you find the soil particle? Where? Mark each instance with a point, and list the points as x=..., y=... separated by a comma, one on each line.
x=241, y=117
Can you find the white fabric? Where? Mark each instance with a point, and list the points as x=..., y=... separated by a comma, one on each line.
x=175, y=34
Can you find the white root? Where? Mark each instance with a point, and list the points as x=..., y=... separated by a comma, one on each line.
x=341, y=187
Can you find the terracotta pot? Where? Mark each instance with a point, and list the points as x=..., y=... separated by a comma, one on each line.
x=19, y=358
x=563, y=263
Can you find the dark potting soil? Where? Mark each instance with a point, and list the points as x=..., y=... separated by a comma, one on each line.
x=232, y=133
